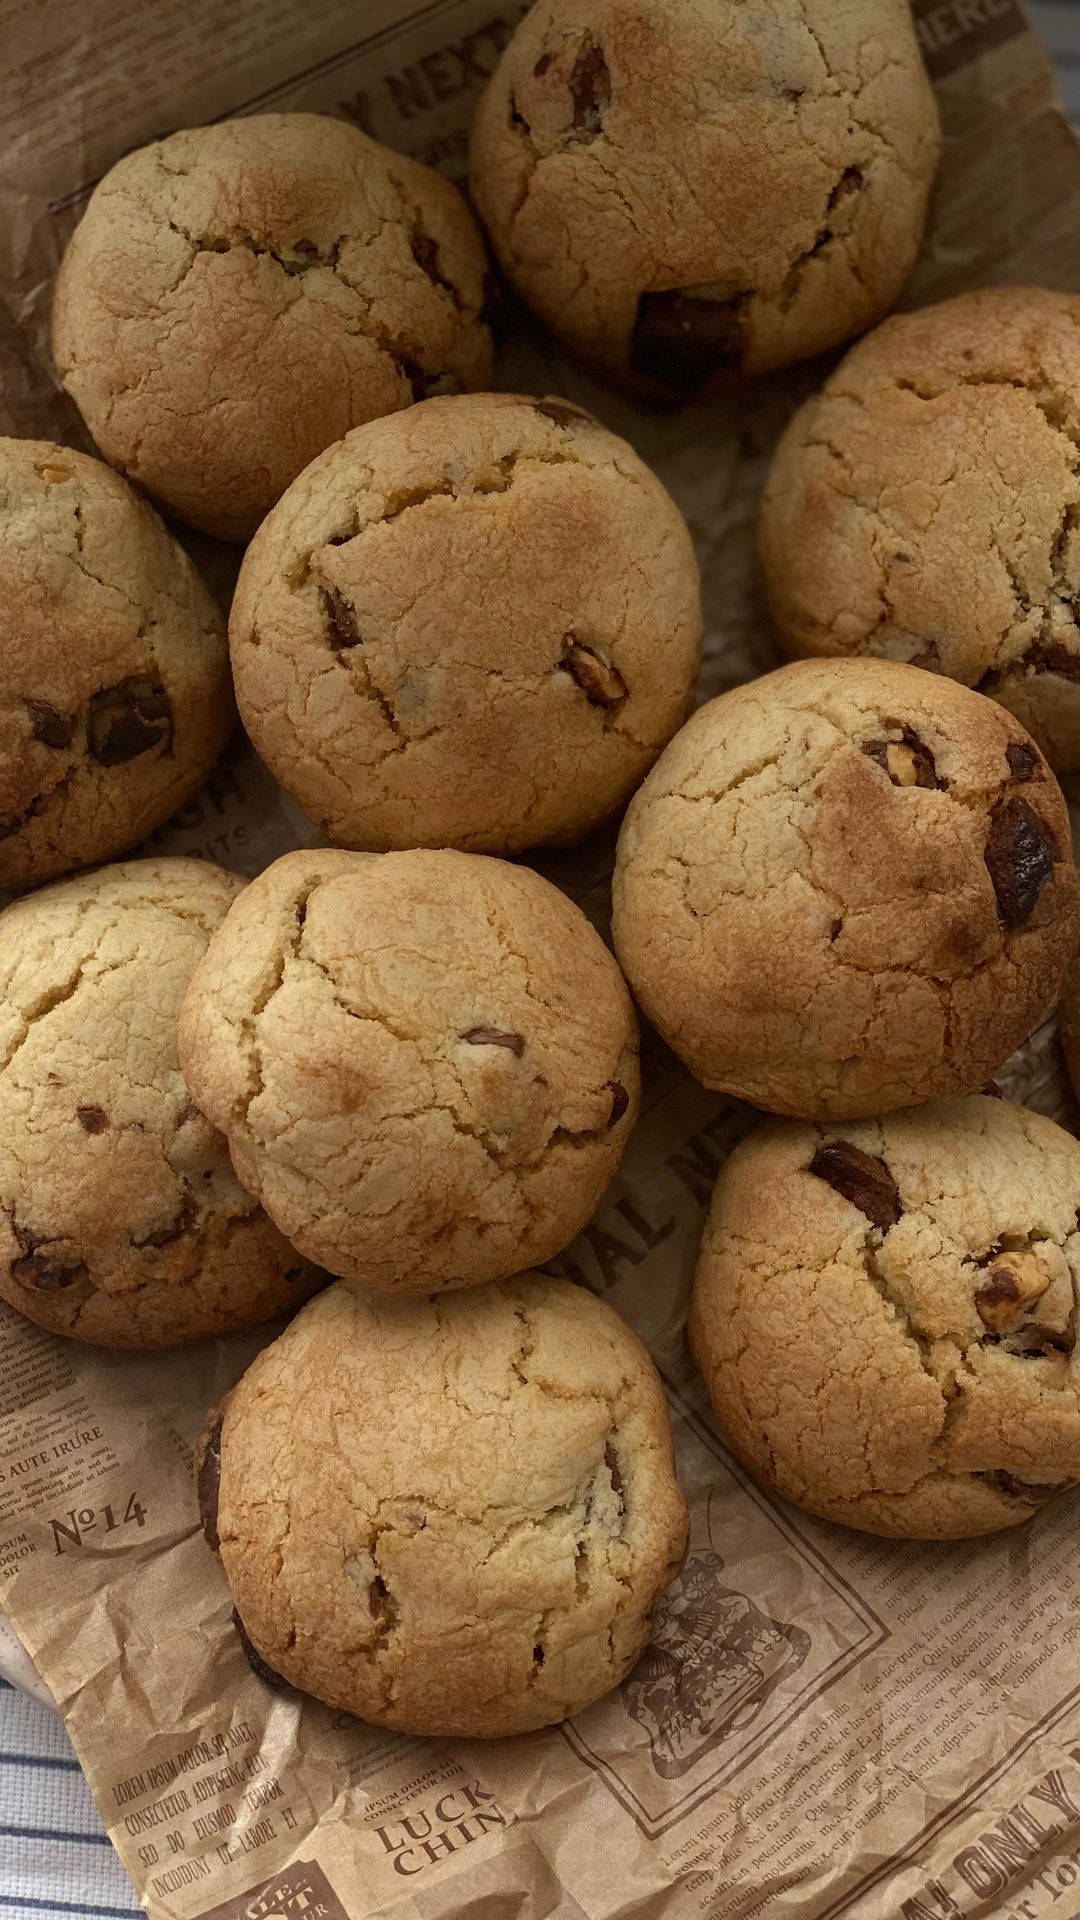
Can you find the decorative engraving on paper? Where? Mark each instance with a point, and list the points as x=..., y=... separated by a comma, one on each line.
x=714, y=1660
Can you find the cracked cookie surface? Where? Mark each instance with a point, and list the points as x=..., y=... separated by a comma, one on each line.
x=114, y=677
x=925, y=505
x=885, y=1316
x=122, y=1222
x=684, y=193
x=238, y=296
x=474, y=624
x=449, y=1516
x=425, y=1063
x=845, y=888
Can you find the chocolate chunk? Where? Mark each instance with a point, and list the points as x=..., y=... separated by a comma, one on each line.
x=1013, y=1283
x=611, y=1462
x=907, y=761
x=601, y=683
x=53, y=729
x=425, y=384
x=860, y=1178
x=208, y=1483
x=494, y=1037
x=620, y=1100
x=1020, y=855
x=1031, y=1490
x=341, y=615
x=590, y=89
x=128, y=720
x=11, y=822
x=425, y=252
x=40, y=1270
x=1023, y=761
x=992, y=1091
x=259, y=1667
x=94, y=1119
x=561, y=412
x=684, y=335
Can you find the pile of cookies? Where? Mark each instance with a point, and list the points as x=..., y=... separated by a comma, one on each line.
x=399, y=1071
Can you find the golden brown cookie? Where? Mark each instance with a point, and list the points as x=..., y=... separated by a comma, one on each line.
x=885, y=1316
x=845, y=888
x=122, y=1222
x=925, y=505
x=114, y=678
x=426, y=1063
x=686, y=191
x=239, y=295
x=472, y=624
x=448, y=1517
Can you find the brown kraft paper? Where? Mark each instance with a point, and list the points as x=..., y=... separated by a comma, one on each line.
x=826, y=1724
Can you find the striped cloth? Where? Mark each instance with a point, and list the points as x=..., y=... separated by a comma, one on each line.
x=55, y=1860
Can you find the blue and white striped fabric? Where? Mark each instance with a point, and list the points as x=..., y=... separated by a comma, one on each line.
x=55, y=1860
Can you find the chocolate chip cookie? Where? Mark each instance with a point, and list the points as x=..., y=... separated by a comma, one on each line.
x=472, y=624
x=426, y=1063
x=925, y=505
x=122, y=1222
x=239, y=295
x=845, y=888
x=885, y=1316
x=684, y=193
x=114, y=677
x=448, y=1517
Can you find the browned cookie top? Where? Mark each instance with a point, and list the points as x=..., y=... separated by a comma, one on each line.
x=426, y=1062
x=239, y=295
x=449, y=1516
x=471, y=624
x=122, y=1222
x=114, y=684
x=925, y=505
x=885, y=1315
x=684, y=192
x=845, y=888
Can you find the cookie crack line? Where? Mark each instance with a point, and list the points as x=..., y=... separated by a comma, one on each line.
x=422, y=380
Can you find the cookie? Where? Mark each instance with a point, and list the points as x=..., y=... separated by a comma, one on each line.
x=426, y=1063
x=845, y=888
x=473, y=624
x=448, y=1517
x=239, y=295
x=885, y=1317
x=925, y=505
x=114, y=676
x=684, y=193
x=122, y=1222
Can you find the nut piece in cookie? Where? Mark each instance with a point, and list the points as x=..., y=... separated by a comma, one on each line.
x=114, y=676
x=426, y=1063
x=284, y=278
x=122, y=1222
x=472, y=624
x=925, y=505
x=910, y=1370
x=846, y=888
x=448, y=1516
x=684, y=193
